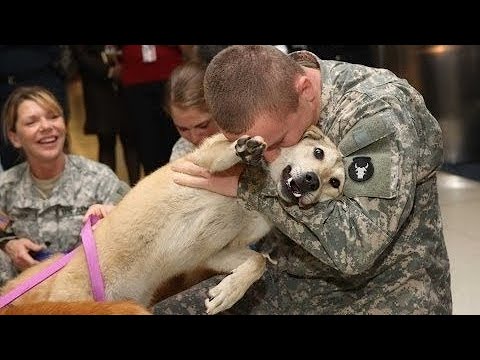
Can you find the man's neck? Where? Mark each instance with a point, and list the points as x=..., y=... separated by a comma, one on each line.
x=49, y=170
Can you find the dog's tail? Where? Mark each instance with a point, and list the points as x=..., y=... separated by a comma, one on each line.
x=77, y=308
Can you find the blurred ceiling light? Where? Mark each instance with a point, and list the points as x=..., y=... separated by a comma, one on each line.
x=438, y=49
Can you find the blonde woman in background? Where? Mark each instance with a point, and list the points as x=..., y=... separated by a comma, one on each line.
x=186, y=105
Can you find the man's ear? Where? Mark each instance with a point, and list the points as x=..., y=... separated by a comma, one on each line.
x=12, y=136
x=305, y=87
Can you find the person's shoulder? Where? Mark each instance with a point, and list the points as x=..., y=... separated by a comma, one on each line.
x=13, y=175
x=87, y=166
x=183, y=144
x=358, y=76
x=181, y=148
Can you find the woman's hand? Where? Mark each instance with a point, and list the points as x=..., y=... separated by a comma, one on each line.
x=223, y=183
x=100, y=210
x=18, y=251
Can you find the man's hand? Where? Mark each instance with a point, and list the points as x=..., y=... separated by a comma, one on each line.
x=17, y=250
x=100, y=210
x=223, y=183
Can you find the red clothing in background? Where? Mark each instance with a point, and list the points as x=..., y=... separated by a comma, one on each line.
x=135, y=71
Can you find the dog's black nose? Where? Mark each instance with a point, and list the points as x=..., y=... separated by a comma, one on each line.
x=308, y=182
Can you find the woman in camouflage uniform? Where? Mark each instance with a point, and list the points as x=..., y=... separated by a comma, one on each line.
x=44, y=199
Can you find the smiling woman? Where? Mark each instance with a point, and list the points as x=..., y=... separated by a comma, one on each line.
x=43, y=200
x=35, y=125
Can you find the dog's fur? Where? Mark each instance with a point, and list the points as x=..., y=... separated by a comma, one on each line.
x=76, y=308
x=161, y=231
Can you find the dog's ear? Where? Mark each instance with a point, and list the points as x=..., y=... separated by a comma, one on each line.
x=313, y=132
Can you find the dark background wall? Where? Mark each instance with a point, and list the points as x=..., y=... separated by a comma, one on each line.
x=448, y=77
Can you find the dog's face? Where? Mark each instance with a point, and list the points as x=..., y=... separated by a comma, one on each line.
x=310, y=171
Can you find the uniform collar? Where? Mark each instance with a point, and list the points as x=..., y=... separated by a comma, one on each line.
x=31, y=199
x=309, y=59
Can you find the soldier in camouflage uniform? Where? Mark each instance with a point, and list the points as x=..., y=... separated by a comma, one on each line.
x=379, y=249
x=43, y=200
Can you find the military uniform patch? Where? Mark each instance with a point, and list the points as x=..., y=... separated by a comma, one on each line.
x=361, y=169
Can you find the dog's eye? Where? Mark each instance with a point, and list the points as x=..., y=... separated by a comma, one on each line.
x=335, y=182
x=318, y=153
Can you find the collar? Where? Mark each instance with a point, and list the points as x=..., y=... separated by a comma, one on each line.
x=30, y=198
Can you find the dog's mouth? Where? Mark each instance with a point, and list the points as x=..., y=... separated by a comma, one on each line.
x=289, y=189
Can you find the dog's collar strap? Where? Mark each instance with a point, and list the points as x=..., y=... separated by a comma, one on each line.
x=35, y=279
x=96, y=280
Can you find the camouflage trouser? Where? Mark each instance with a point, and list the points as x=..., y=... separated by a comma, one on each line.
x=260, y=298
x=7, y=270
x=275, y=293
x=278, y=293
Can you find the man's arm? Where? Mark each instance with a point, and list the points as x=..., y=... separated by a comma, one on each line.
x=350, y=233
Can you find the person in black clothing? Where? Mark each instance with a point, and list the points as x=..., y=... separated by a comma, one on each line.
x=106, y=114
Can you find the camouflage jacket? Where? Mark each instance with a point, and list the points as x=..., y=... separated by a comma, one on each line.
x=182, y=147
x=380, y=247
x=57, y=221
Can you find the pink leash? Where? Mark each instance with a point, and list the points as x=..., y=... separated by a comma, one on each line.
x=96, y=280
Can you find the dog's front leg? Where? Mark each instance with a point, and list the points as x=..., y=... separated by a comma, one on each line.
x=247, y=149
x=245, y=266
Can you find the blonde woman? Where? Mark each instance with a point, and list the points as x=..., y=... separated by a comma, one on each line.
x=44, y=199
x=186, y=105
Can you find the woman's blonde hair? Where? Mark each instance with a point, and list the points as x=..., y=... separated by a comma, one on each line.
x=185, y=87
x=38, y=94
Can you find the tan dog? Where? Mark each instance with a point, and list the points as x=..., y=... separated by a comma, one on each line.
x=161, y=230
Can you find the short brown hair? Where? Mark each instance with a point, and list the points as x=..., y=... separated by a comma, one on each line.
x=185, y=87
x=38, y=94
x=243, y=81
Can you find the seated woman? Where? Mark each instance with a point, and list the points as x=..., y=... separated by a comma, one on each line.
x=43, y=200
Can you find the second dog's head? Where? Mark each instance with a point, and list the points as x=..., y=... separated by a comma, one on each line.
x=310, y=171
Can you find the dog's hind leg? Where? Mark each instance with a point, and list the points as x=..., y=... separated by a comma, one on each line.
x=245, y=266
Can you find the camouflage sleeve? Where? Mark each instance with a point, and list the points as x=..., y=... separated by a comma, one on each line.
x=350, y=233
x=110, y=189
x=6, y=231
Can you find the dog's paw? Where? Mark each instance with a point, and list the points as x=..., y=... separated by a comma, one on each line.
x=224, y=295
x=250, y=149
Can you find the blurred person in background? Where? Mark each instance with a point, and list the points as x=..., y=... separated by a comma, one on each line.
x=145, y=72
x=106, y=113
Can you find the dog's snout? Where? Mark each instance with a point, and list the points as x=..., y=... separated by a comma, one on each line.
x=309, y=182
